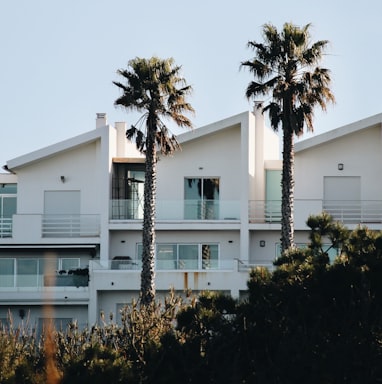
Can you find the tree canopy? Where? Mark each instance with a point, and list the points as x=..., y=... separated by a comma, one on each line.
x=285, y=69
x=154, y=87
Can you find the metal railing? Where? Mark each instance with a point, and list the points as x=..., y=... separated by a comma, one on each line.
x=347, y=212
x=247, y=265
x=70, y=225
x=365, y=211
x=261, y=211
x=5, y=227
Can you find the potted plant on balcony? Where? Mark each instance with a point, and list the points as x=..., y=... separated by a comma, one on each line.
x=80, y=276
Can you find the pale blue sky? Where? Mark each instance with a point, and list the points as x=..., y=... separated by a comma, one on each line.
x=59, y=58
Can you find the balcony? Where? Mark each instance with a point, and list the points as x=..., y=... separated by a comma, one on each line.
x=177, y=210
x=347, y=212
x=26, y=228
x=259, y=211
x=247, y=265
x=367, y=211
x=38, y=273
x=70, y=226
x=5, y=227
x=168, y=264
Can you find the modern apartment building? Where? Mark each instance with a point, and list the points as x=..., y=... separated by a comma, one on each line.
x=71, y=213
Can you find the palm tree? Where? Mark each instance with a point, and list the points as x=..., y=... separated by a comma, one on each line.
x=153, y=86
x=285, y=68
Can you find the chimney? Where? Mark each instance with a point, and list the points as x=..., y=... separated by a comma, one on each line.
x=258, y=108
x=259, y=150
x=259, y=116
x=121, y=138
x=101, y=120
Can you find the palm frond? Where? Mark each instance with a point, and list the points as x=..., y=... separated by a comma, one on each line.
x=154, y=86
x=283, y=67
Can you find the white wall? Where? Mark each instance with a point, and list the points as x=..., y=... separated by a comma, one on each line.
x=361, y=154
x=79, y=167
x=217, y=154
x=123, y=243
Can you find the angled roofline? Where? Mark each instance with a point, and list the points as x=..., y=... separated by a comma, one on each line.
x=51, y=150
x=357, y=126
x=213, y=127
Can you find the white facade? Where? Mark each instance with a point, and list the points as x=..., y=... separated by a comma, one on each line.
x=79, y=210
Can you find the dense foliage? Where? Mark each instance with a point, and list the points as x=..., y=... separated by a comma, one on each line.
x=311, y=320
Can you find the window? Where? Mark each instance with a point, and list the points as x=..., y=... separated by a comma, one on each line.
x=185, y=256
x=67, y=264
x=332, y=252
x=7, y=206
x=27, y=272
x=166, y=256
x=273, y=195
x=210, y=256
x=8, y=202
x=201, y=197
x=7, y=275
x=30, y=272
x=188, y=256
x=127, y=191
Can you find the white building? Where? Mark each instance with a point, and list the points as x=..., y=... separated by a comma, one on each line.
x=71, y=213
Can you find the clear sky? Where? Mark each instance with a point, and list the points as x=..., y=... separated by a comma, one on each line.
x=59, y=58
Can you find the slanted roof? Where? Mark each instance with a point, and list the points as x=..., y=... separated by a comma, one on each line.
x=213, y=128
x=52, y=150
x=357, y=126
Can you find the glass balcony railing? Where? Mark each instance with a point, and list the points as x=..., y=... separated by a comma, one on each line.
x=40, y=280
x=169, y=264
x=177, y=210
x=31, y=273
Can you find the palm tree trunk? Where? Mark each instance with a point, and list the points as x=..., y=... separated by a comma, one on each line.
x=148, y=238
x=287, y=191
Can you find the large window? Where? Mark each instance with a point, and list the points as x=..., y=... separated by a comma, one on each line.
x=273, y=195
x=30, y=272
x=127, y=193
x=185, y=256
x=8, y=203
x=332, y=252
x=7, y=274
x=27, y=275
x=201, y=196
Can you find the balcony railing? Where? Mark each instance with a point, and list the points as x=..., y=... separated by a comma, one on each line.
x=347, y=212
x=38, y=273
x=168, y=264
x=178, y=210
x=261, y=211
x=369, y=211
x=5, y=227
x=247, y=265
x=40, y=281
x=70, y=225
